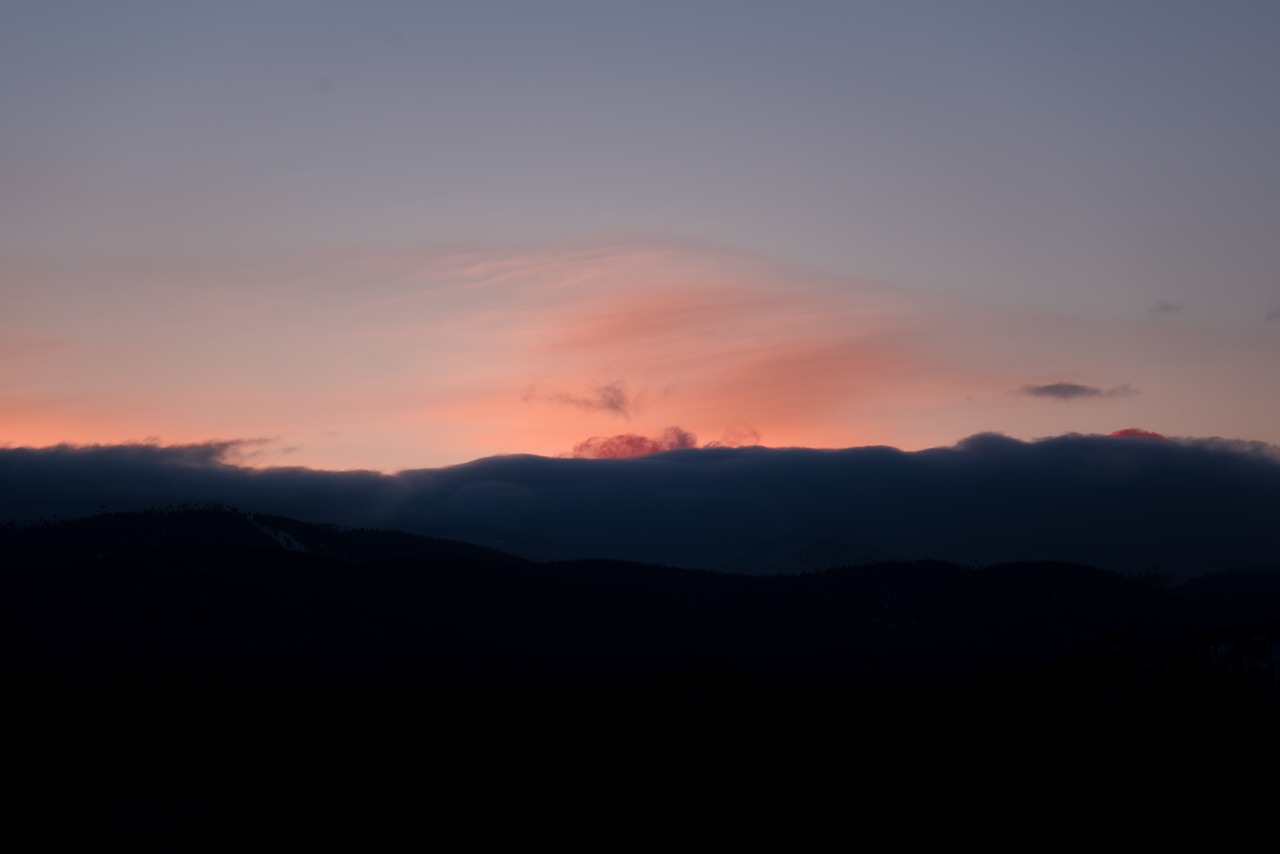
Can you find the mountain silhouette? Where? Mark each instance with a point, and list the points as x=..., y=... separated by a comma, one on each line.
x=167, y=651
x=1182, y=506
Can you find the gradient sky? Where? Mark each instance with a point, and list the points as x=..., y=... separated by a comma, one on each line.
x=401, y=234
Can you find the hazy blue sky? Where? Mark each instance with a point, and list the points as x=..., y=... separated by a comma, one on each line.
x=261, y=179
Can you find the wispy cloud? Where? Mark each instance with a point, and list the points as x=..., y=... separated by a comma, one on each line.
x=610, y=397
x=1165, y=307
x=737, y=437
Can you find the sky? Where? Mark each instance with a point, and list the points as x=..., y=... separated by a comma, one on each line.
x=396, y=235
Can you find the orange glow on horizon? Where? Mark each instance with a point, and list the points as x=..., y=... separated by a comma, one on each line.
x=439, y=358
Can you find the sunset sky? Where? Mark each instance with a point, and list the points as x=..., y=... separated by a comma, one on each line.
x=393, y=235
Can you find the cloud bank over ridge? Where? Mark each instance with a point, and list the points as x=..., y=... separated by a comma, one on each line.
x=1178, y=504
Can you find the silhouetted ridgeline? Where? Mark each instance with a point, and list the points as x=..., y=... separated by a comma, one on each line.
x=235, y=672
x=1185, y=506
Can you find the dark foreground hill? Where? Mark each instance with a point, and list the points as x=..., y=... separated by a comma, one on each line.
x=205, y=673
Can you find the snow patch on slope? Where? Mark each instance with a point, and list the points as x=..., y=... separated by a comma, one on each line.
x=287, y=541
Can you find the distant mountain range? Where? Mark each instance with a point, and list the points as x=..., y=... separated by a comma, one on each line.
x=896, y=619
x=159, y=652
x=1133, y=504
x=283, y=577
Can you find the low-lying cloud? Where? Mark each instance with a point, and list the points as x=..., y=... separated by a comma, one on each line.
x=737, y=437
x=1178, y=504
x=1076, y=391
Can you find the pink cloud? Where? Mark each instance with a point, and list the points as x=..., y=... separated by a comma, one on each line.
x=626, y=445
x=1135, y=433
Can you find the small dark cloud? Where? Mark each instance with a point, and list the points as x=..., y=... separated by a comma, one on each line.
x=610, y=397
x=1274, y=314
x=1076, y=391
x=633, y=445
x=1062, y=391
x=1165, y=307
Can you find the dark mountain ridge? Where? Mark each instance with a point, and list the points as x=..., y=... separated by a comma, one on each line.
x=195, y=572
x=232, y=635
x=1186, y=506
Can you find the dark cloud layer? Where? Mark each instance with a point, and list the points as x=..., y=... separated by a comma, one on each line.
x=1177, y=504
x=1076, y=391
